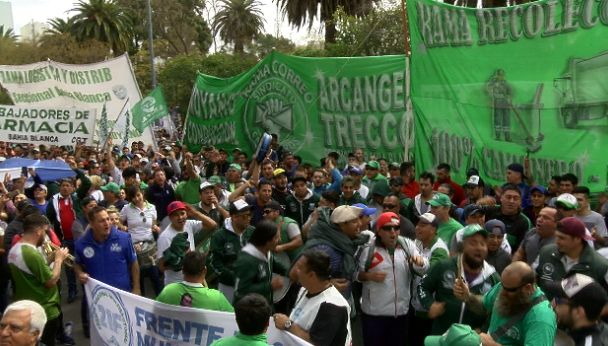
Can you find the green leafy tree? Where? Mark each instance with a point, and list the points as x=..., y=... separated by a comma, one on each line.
x=239, y=22
x=7, y=34
x=103, y=20
x=300, y=12
x=67, y=49
x=378, y=33
x=265, y=44
x=177, y=24
x=60, y=26
x=180, y=73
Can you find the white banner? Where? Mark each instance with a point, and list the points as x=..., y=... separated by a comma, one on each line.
x=47, y=125
x=50, y=83
x=121, y=318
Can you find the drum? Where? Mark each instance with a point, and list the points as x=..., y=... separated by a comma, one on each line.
x=279, y=294
x=263, y=147
x=146, y=253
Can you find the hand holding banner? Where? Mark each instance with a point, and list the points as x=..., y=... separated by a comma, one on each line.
x=123, y=318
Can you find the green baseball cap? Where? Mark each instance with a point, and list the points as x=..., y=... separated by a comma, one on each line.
x=473, y=229
x=215, y=179
x=235, y=166
x=567, y=201
x=440, y=200
x=457, y=335
x=381, y=188
x=111, y=187
x=372, y=164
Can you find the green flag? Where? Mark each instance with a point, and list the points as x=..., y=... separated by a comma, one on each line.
x=103, y=126
x=149, y=109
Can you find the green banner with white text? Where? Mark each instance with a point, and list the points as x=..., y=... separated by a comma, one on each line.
x=315, y=105
x=490, y=86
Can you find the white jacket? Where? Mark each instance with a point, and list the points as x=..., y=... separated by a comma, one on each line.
x=392, y=296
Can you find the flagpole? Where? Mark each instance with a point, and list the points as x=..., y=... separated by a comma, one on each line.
x=151, y=43
x=114, y=124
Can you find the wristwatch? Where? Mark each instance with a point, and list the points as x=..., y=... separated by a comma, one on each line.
x=287, y=324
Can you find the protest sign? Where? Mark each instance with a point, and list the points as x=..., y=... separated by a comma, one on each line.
x=493, y=85
x=315, y=105
x=122, y=318
x=47, y=125
x=53, y=84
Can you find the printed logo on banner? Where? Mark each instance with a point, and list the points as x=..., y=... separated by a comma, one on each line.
x=277, y=106
x=110, y=317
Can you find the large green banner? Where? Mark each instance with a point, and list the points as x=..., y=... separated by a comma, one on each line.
x=315, y=105
x=490, y=86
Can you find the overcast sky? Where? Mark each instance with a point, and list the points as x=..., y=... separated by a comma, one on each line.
x=24, y=11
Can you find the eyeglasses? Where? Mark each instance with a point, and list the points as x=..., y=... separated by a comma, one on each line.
x=390, y=228
x=513, y=289
x=388, y=206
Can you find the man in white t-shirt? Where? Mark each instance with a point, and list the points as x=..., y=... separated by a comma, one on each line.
x=321, y=314
x=178, y=213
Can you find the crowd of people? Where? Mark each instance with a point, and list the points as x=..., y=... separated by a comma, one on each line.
x=348, y=251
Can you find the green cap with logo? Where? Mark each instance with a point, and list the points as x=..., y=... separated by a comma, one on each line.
x=440, y=200
x=473, y=229
x=567, y=201
x=457, y=335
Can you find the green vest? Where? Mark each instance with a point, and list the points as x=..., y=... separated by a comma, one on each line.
x=293, y=254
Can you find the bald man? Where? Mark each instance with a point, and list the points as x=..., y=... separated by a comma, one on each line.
x=519, y=312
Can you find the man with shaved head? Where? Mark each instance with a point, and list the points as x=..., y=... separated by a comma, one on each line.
x=519, y=312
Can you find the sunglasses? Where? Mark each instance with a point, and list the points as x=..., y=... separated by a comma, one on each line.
x=513, y=289
x=390, y=228
x=388, y=206
x=142, y=214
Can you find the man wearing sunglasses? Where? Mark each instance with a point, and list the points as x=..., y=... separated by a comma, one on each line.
x=392, y=204
x=387, y=276
x=519, y=312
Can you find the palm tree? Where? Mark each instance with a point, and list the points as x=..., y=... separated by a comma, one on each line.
x=299, y=12
x=7, y=34
x=103, y=20
x=238, y=22
x=60, y=26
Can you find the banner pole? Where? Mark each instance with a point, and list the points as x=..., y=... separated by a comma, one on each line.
x=406, y=31
x=114, y=124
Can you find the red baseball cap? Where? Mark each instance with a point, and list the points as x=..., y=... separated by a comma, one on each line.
x=385, y=218
x=573, y=227
x=175, y=206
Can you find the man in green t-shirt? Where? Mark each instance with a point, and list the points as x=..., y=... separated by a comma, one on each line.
x=32, y=276
x=519, y=312
x=252, y=316
x=192, y=291
x=440, y=206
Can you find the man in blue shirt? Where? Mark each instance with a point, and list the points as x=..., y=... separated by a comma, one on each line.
x=107, y=255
